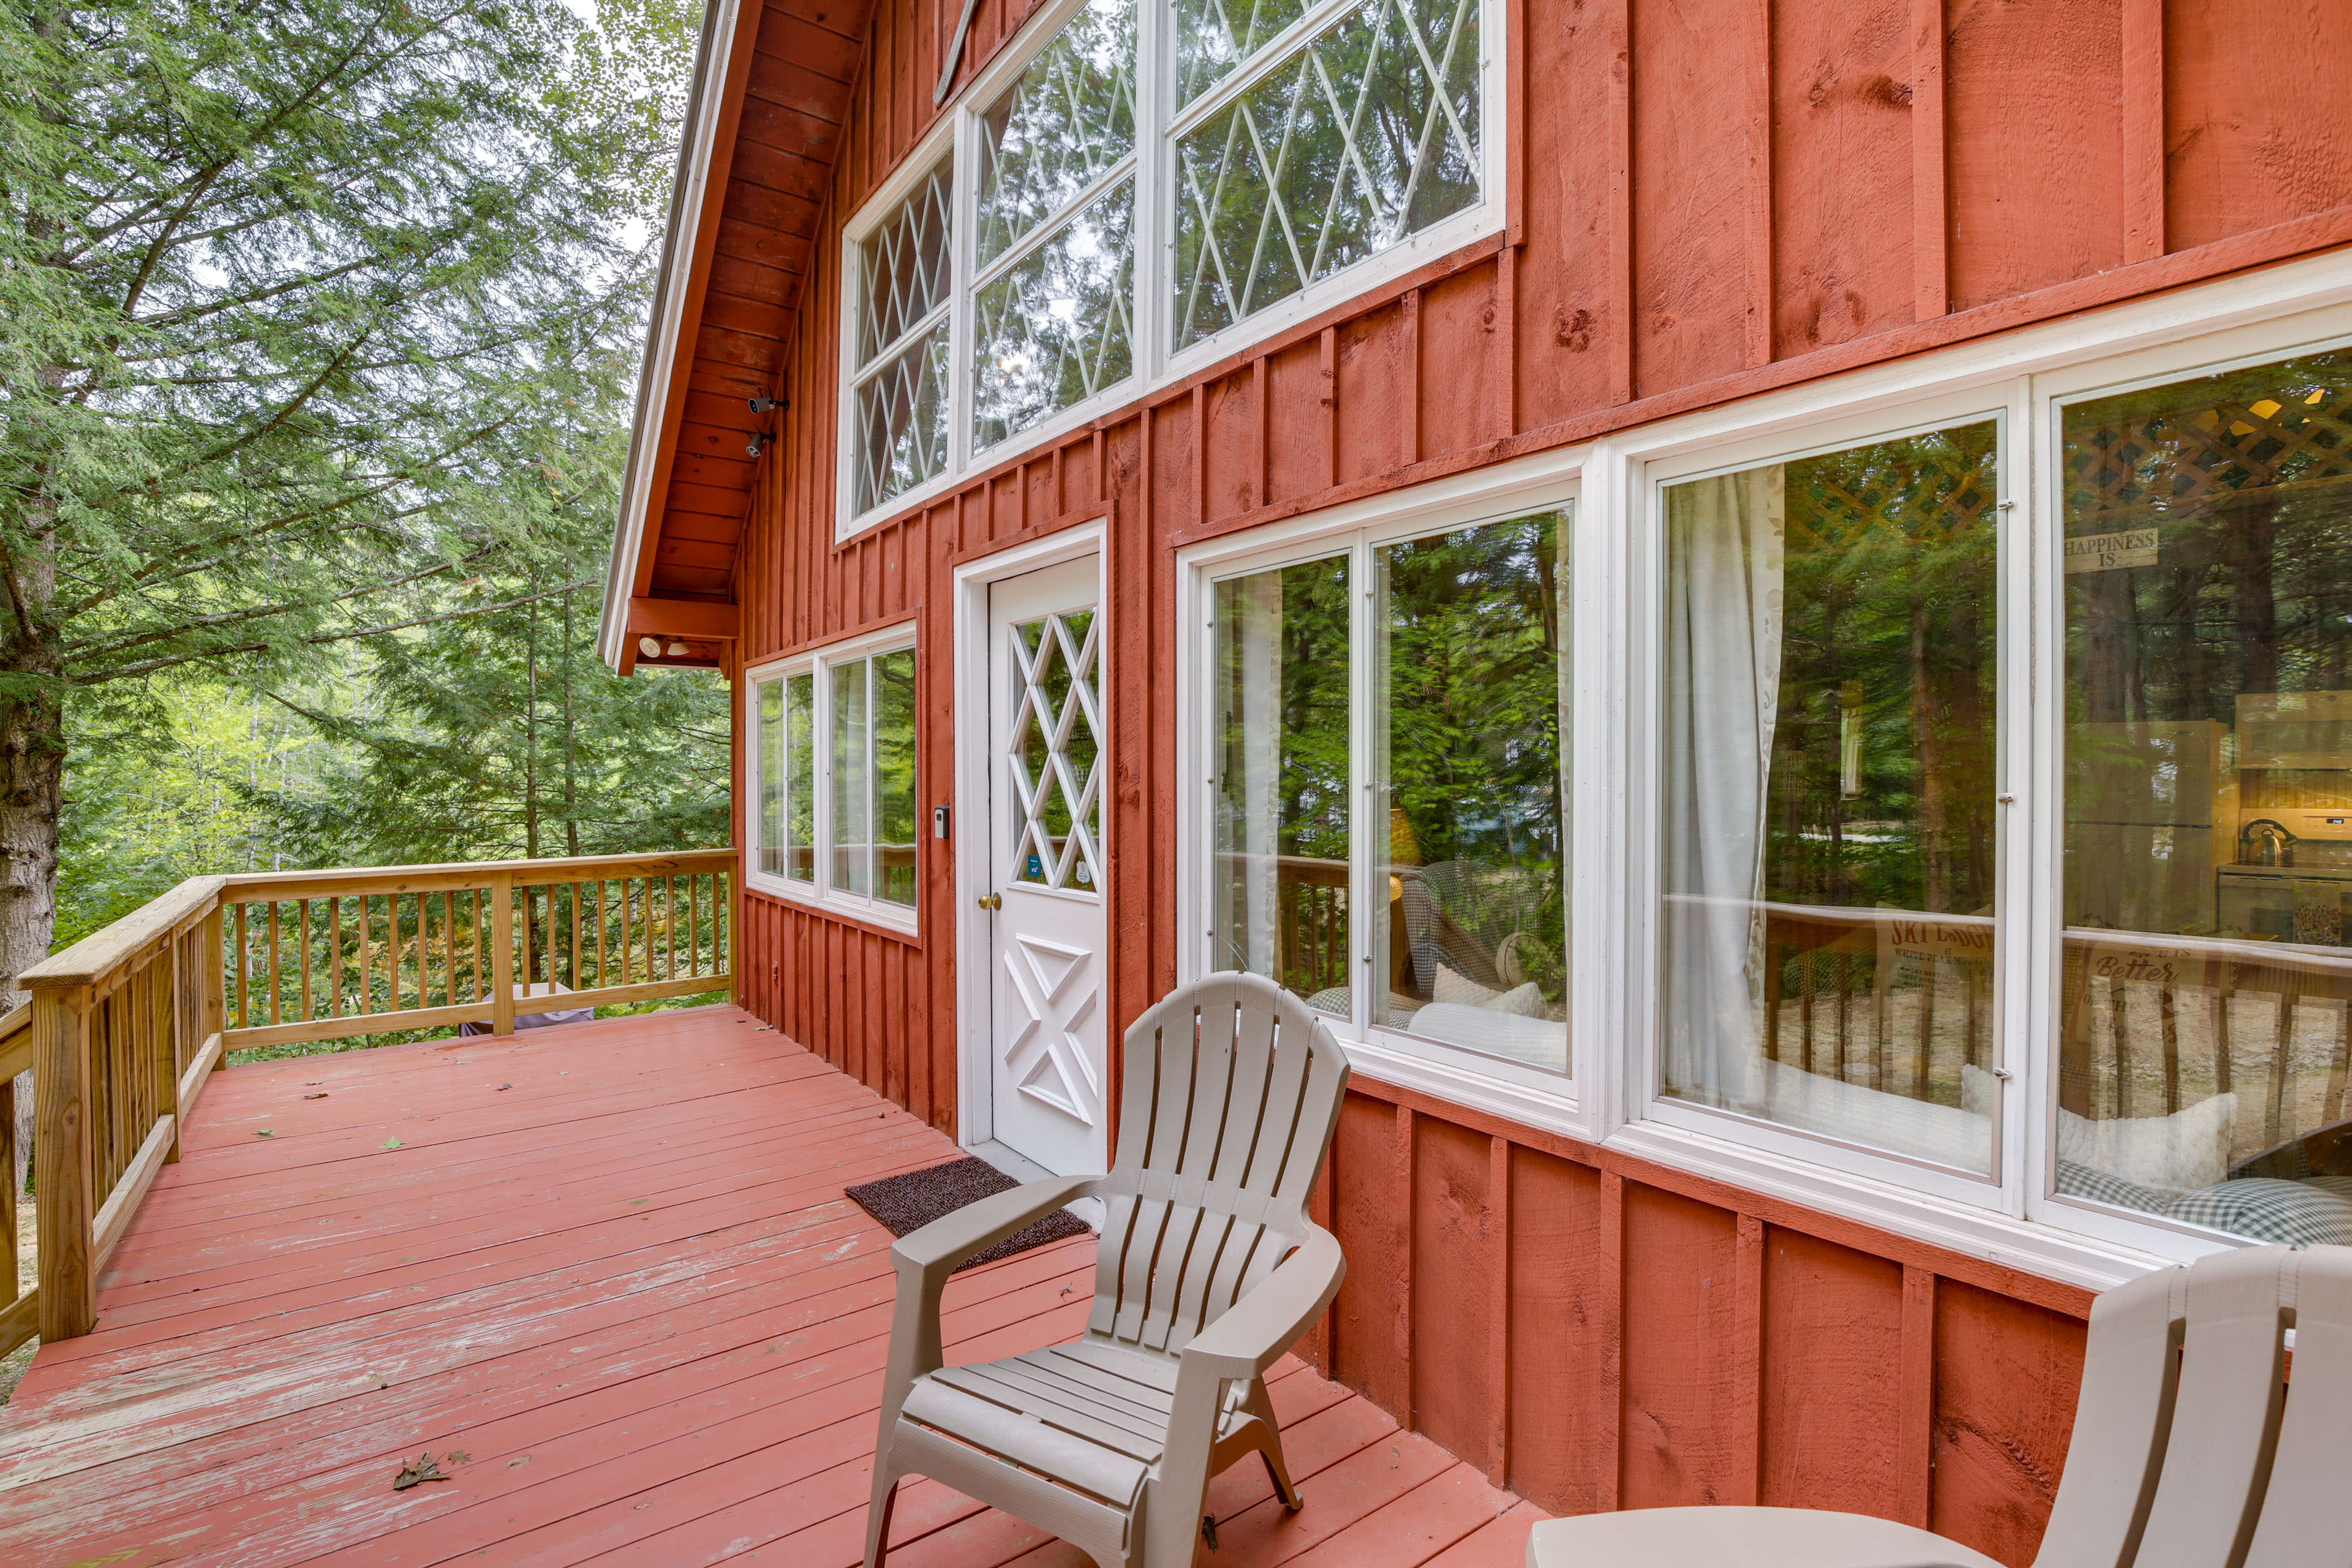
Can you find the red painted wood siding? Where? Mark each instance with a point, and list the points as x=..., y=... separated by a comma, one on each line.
x=1708, y=198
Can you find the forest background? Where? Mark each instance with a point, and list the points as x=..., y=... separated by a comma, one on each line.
x=319, y=324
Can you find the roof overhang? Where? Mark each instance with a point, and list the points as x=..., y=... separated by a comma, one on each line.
x=705, y=152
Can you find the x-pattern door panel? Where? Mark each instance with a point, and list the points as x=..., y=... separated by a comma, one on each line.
x=1048, y=1058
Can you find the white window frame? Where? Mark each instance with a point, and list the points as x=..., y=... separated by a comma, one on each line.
x=2022, y=378
x=819, y=663
x=1152, y=166
x=1546, y=483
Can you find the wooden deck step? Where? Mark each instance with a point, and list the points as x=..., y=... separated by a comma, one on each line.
x=611, y=1265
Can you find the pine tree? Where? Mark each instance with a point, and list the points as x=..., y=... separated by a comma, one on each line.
x=291, y=298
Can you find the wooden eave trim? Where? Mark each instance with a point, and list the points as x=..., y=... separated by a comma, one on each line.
x=682, y=617
x=702, y=177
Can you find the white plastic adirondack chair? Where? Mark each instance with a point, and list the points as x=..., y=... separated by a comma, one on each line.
x=1209, y=1270
x=2190, y=1450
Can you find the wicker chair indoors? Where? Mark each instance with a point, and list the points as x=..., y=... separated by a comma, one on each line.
x=1209, y=1270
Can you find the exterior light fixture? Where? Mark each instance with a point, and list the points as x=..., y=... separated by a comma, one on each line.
x=649, y=647
x=677, y=650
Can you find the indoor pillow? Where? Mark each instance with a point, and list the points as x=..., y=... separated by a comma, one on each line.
x=2179, y=1154
x=2267, y=1209
x=1458, y=990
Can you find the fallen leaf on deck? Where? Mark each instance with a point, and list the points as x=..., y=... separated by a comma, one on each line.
x=504, y=1087
x=420, y=1468
x=320, y=1095
x=518, y=1464
x=391, y=1143
x=264, y=1132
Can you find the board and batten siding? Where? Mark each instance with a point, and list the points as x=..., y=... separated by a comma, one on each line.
x=1709, y=199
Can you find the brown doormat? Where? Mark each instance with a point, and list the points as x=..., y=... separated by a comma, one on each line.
x=908, y=1202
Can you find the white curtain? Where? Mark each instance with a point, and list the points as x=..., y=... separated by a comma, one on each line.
x=1724, y=543
x=1258, y=628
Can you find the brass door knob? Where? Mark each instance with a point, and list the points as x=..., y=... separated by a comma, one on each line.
x=991, y=901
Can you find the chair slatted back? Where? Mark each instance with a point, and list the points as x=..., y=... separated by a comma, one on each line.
x=1232, y=1089
x=2302, y=1523
x=2121, y=1419
x=2191, y=1449
x=2225, y=1415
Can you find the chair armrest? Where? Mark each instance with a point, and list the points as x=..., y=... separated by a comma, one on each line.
x=1256, y=1330
x=925, y=1259
x=948, y=1241
x=1252, y=1336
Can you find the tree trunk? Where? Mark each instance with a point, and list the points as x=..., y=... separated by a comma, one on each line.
x=33, y=753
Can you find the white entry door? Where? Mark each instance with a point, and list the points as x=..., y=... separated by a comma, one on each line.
x=1048, y=1062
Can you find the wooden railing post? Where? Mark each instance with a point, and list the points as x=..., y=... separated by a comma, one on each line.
x=216, y=993
x=170, y=1050
x=61, y=1160
x=502, y=955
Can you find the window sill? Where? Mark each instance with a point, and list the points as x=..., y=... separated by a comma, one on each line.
x=1548, y=1110
x=882, y=918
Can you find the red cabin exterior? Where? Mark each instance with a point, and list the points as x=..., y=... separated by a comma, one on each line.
x=1702, y=208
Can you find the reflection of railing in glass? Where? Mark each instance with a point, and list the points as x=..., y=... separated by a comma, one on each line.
x=1310, y=899
x=1892, y=998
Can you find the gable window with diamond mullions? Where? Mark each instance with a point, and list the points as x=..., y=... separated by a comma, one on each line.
x=1050, y=765
x=1295, y=162
x=1135, y=187
x=1052, y=307
x=901, y=391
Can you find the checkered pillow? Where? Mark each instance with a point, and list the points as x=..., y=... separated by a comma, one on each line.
x=2080, y=1180
x=2295, y=1214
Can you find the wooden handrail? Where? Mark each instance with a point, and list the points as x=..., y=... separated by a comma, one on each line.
x=124, y=1027
x=255, y=887
x=106, y=951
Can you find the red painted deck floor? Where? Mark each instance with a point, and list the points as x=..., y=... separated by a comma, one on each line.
x=609, y=1267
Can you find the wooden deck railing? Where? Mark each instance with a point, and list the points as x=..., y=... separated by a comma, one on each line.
x=123, y=1028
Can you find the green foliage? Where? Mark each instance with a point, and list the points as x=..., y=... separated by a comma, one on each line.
x=318, y=326
x=1890, y=574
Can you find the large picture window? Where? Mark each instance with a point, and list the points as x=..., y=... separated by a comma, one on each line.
x=832, y=746
x=2205, y=1013
x=1829, y=924
x=1142, y=180
x=1434, y=912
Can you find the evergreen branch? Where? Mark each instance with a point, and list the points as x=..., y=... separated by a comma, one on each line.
x=321, y=639
x=238, y=618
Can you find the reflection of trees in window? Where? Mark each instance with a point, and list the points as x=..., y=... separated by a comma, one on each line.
x=1055, y=328
x=800, y=776
x=1366, y=133
x=1883, y=743
x=1473, y=705
x=1067, y=120
x=1279, y=893
x=894, y=776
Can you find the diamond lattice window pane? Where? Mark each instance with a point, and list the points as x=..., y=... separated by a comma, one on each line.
x=1366, y=133
x=902, y=421
x=1056, y=327
x=1051, y=763
x=903, y=265
x=1216, y=38
x=1069, y=117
